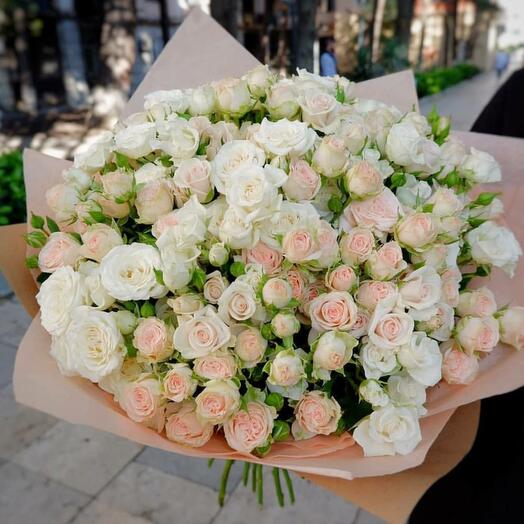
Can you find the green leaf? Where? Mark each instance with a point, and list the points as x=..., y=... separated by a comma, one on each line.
x=335, y=204
x=281, y=430
x=237, y=269
x=159, y=277
x=131, y=350
x=98, y=216
x=37, y=222
x=198, y=279
x=147, y=310
x=267, y=332
x=52, y=225
x=122, y=161
x=452, y=179
x=146, y=238
x=398, y=180
x=32, y=262
x=36, y=239
x=276, y=400
x=340, y=95
x=476, y=222
x=485, y=199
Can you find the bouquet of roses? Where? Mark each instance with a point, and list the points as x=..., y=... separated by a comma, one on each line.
x=272, y=259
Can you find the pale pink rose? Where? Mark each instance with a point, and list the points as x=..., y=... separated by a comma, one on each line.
x=187, y=304
x=387, y=262
x=363, y=180
x=237, y=303
x=285, y=325
x=250, y=346
x=250, y=428
x=142, y=401
x=477, y=334
x=110, y=207
x=371, y=292
x=153, y=339
x=277, y=292
x=316, y=414
x=302, y=183
x=217, y=401
x=311, y=292
x=511, y=324
x=219, y=365
x=154, y=200
x=334, y=310
x=357, y=245
x=193, y=177
x=390, y=330
x=330, y=157
x=476, y=303
x=297, y=281
x=179, y=383
x=342, y=278
x=450, y=287
x=165, y=222
x=360, y=327
x=117, y=184
x=327, y=241
x=61, y=249
x=270, y=259
x=184, y=427
x=417, y=230
x=380, y=212
x=98, y=240
x=62, y=199
x=214, y=286
x=457, y=366
x=299, y=246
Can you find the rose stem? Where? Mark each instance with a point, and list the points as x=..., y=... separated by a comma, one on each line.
x=254, y=478
x=289, y=484
x=223, y=481
x=245, y=474
x=260, y=485
x=278, y=487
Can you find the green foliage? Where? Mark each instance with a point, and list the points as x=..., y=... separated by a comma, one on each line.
x=436, y=80
x=12, y=190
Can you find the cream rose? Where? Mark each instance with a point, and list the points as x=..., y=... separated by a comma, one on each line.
x=259, y=79
x=285, y=325
x=95, y=156
x=202, y=100
x=153, y=339
x=250, y=428
x=390, y=330
x=178, y=383
x=421, y=359
x=187, y=304
x=128, y=272
x=60, y=250
x=512, y=326
x=270, y=259
x=284, y=137
x=421, y=289
x=315, y=414
x=135, y=141
x=217, y=401
x=214, y=287
x=407, y=392
x=281, y=100
x=98, y=240
x=237, y=303
x=194, y=177
x=160, y=104
x=201, y=334
x=333, y=350
x=477, y=334
x=476, y=303
x=330, y=157
x=233, y=96
x=457, y=366
x=372, y=392
x=363, y=180
x=377, y=360
x=63, y=200
x=183, y=426
x=286, y=369
x=250, y=347
x=218, y=254
x=177, y=138
x=303, y=183
x=277, y=292
x=154, y=200
x=117, y=184
x=319, y=109
x=149, y=172
x=445, y=202
x=480, y=167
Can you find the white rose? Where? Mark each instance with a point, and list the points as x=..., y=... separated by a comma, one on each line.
x=149, y=172
x=193, y=177
x=233, y=96
x=277, y=292
x=77, y=178
x=154, y=200
x=332, y=351
x=445, y=202
x=96, y=155
x=480, y=167
x=160, y=104
x=390, y=329
x=414, y=192
x=354, y=134
x=214, y=287
x=421, y=358
x=319, y=109
x=237, y=303
x=59, y=294
x=494, y=244
x=259, y=79
x=286, y=369
x=406, y=147
x=186, y=304
x=281, y=101
x=511, y=326
x=419, y=121
x=285, y=325
x=440, y=324
x=372, y=392
x=135, y=141
x=388, y=431
x=202, y=100
x=97, y=342
x=218, y=254
x=63, y=200
x=125, y=321
x=128, y=272
x=201, y=334
x=233, y=156
x=377, y=361
x=421, y=288
x=283, y=137
x=177, y=138
x=97, y=292
x=236, y=232
x=407, y=392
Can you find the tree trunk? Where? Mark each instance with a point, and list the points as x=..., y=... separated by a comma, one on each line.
x=376, y=29
x=403, y=22
x=225, y=12
x=305, y=34
x=27, y=89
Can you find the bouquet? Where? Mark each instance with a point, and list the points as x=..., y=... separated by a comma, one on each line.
x=271, y=269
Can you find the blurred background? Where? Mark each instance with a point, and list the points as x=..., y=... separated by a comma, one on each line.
x=66, y=68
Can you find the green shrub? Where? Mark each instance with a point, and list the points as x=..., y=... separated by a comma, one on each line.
x=438, y=79
x=12, y=190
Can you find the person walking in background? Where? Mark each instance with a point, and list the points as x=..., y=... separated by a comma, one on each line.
x=328, y=61
x=501, y=62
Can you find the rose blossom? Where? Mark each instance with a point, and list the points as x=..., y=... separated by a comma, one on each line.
x=390, y=330
x=237, y=302
x=319, y=109
x=284, y=137
x=187, y=304
x=330, y=157
x=333, y=350
x=450, y=286
x=98, y=240
x=219, y=365
x=281, y=100
x=286, y=369
x=193, y=176
x=117, y=184
x=214, y=287
x=250, y=346
x=62, y=199
x=183, y=426
x=218, y=401
x=270, y=259
x=342, y=278
x=135, y=141
x=371, y=292
x=360, y=327
x=302, y=183
x=218, y=254
x=363, y=180
x=421, y=358
x=250, y=428
x=334, y=310
x=421, y=288
x=296, y=280
x=387, y=262
x=377, y=361
x=477, y=334
x=316, y=414
x=417, y=230
x=277, y=292
x=201, y=334
x=179, y=384
x=457, y=366
x=476, y=303
x=285, y=325
x=372, y=392
x=299, y=246
x=380, y=212
x=512, y=326
x=60, y=250
x=357, y=245
x=154, y=200
x=327, y=241
x=153, y=339
x=232, y=95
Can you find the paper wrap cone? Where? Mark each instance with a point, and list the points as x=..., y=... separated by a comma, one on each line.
x=202, y=51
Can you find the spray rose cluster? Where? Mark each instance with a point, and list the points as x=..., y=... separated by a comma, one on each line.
x=273, y=258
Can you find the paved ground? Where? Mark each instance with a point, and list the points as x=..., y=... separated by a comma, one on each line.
x=52, y=472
